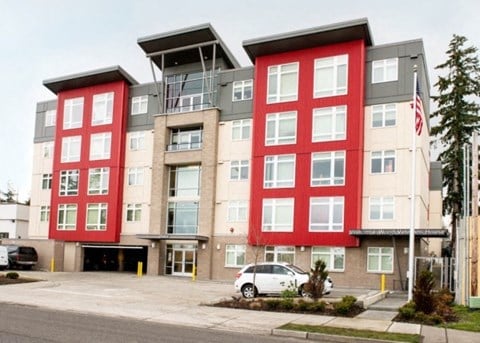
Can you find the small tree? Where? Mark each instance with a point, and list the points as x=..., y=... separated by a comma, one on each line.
x=316, y=283
x=423, y=295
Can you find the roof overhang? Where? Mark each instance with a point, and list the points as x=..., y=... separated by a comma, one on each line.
x=89, y=78
x=439, y=233
x=181, y=47
x=309, y=38
x=152, y=237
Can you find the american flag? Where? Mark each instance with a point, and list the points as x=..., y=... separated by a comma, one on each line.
x=418, y=112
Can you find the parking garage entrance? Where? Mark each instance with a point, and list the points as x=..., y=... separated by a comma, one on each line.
x=114, y=258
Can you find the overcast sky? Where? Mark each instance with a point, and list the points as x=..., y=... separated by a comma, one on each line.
x=46, y=39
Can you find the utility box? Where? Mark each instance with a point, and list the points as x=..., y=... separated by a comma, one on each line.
x=474, y=302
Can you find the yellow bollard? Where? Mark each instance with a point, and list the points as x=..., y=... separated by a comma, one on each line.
x=382, y=283
x=52, y=265
x=194, y=273
x=140, y=269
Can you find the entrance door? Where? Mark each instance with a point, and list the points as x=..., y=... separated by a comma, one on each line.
x=183, y=260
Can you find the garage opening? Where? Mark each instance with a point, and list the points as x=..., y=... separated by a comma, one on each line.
x=114, y=258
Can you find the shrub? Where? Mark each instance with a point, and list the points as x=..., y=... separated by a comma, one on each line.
x=316, y=282
x=318, y=306
x=286, y=304
x=423, y=292
x=344, y=306
x=12, y=275
x=272, y=304
x=407, y=311
x=290, y=292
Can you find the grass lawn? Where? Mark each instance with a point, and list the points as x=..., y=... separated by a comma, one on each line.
x=468, y=319
x=9, y=281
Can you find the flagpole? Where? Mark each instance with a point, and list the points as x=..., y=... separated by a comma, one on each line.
x=411, y=242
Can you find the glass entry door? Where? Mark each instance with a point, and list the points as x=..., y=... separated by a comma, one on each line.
x=183, y=259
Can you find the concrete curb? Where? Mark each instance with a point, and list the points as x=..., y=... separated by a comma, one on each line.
x=322, y=337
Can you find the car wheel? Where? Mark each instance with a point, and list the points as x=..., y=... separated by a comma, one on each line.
x=249, y=291
x=303, y=292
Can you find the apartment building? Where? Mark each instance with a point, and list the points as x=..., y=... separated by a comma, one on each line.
x=304, y=155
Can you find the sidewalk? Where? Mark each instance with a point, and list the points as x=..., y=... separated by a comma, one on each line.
x=174, y=300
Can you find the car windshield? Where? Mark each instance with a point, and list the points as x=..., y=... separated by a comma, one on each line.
x=296, y=269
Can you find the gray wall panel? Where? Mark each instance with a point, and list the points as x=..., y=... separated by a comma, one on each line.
x=233, y=110
x=141, y=122
x=41, y=132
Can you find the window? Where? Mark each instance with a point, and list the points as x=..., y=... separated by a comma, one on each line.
x=135, y=176
x=380, y=260
x=282, y=83
x=139, y=104
x=382, y=208
x=185, y=181
x=137, y=141
x=242, y=90
x=277, y=214
x=96, y=216
x=134, y=212
x=384, y=115
x=73, y=113
x=383, y=162
x=281, y=128
x=329, y=124
x=183, y=217
x=100, y=144
x=333, y=257
x=48, y=150
x=331, y=76
x=47, y=181
x=241, y=129
x=44, y=213
x=185, y=139
x=98, y=181
x=280, y=254
x=237, y=211
x=235, y=255
x=279, y=171
x=102, y=109
x=67, y=217
x=71, y=149
x=69, y=182
x=239, y=170
x=385, y=70
x=190, y=91
x=328, y=168
x=326, y=214
x=50, y=117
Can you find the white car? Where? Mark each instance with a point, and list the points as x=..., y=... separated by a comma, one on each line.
x=274, y=278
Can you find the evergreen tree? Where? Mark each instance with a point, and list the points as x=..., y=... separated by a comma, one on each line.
x=457, y=115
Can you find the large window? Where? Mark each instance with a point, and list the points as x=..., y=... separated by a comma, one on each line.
x=73, y=113
x=185, y=139
x=48, y=150
x=50, y=117
x=334, y=257
x=67, y=217
x=139, y=104
x=380, y=260
x=185, y=181
x=329, y=124
x=100, y=145
x=137, y=141
x=328, y=168
x=134, y=212
x=242, y=90
x=102, y=109
x=326, y=214
x=237, y=211
x=279, y=171
x=384, y=115
x=241, y=129
x=282, y=83
x=281, y=128
x=96, y=216
x=190, y=92
x=98, y=181
x=385, y=70
x=71, y=149
x=277, y=214
x=183, y=217
x=280, y=254
x=382, y=208
x=235, y=255
x=44, y=213
x=239, y=170
x=331, y=76
x=135, y=176
x=69, y=182
x=46, y=181
x=383, y=161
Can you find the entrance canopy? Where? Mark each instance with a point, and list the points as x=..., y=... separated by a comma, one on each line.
x=174, y=237
x=438, y=233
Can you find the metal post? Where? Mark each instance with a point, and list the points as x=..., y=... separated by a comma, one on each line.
x=474, y=248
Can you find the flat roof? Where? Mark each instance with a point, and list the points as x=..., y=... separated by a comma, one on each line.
x=89, y=78
x=180, y=46
x=309, y=38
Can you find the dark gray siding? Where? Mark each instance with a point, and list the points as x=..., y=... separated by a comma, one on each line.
x=144, y=121
x=43, y=133
x=435, y=176
x=233, y=110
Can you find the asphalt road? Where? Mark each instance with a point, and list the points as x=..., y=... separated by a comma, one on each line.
x=27, y=324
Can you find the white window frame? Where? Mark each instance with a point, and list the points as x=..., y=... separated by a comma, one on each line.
x=242, y=88
x=47, y=181
x=337, y=130
x=236, y=253
x=328, y=180
x=71, y=149
x=66, y=210
x=47, y=149
x=50, y=118
x=100, y=223
x=69, y=182
x=278, y=208
x=330, y=205
x=103, y=181
x=102, y=109
x=239, y=170
x=44, y=213
x=133, y=213
x=139, y=105
x=279, y=253
x=273, y=165
x=73, y=113
x=237, y=211
x=385, y=70
x=241, y=129
x=385, y=157
x=329, y=255
x=276, y=123
x=100, y=146
x=135, y=176
x=277, y=76
x=137, y=141
x=385, y=207
x=332, y=65
x=385, y=113
x=380, y=253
